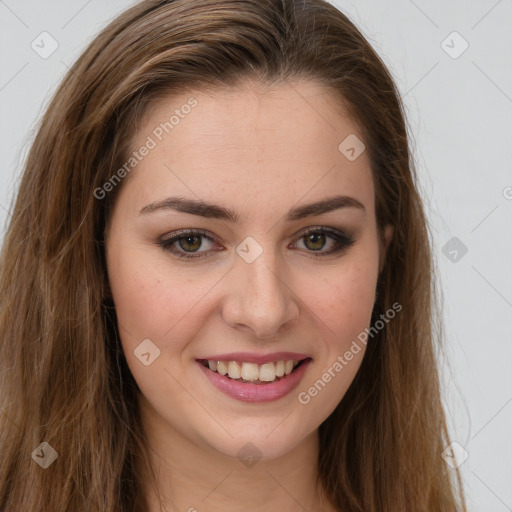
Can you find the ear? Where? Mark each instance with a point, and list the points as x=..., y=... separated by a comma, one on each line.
x=388, y=236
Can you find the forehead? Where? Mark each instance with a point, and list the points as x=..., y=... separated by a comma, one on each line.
x=270, y=144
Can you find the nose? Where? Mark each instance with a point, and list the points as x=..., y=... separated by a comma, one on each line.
x=260, y=298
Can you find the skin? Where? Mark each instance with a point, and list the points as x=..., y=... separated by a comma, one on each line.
x=261, y=151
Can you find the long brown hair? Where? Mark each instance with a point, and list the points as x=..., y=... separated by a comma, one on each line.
x=64, y=379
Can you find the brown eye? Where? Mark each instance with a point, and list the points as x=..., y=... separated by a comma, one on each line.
x=315, y=240
x=186, y=244
x=189, y=243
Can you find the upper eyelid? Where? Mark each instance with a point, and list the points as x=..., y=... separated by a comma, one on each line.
x=185, y=232
x=199, y=231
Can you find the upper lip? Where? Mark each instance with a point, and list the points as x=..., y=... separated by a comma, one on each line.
x=251, y=357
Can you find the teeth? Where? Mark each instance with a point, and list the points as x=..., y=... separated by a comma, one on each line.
x=251, y=372
x=234, y=370
x=221, y=367
x=268, y=372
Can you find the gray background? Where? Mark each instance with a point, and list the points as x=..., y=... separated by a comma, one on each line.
x=459, y=110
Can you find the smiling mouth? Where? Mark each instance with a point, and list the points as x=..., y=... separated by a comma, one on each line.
x=252, y=373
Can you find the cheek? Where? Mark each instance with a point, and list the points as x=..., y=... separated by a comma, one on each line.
x=344, y=298
x=342, y=307
x=153, y=302
x=151, y=305
x=348, y=304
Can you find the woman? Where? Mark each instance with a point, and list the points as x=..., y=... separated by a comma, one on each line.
x=223, y=270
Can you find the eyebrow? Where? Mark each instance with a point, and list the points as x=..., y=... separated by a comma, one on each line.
x=210, y=210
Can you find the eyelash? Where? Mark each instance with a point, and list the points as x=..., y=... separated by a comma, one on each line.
x=343, y=242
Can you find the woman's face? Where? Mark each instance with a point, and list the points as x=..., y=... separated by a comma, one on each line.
x=250, y=287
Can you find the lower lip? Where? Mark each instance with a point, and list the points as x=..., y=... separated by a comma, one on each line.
x=256, y=392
